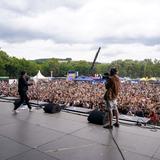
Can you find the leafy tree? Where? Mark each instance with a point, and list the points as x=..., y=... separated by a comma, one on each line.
x=11, y=66
x=102, y=68
x=3, y=61
x=82, y=67
x=50, y=65
x=64, y=67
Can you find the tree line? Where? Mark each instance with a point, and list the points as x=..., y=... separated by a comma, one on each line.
x=11, y=66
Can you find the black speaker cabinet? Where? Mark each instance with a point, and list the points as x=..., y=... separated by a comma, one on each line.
x=52, y=108
x=98, y=117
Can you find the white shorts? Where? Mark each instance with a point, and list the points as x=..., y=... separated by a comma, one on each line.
x=111, y=104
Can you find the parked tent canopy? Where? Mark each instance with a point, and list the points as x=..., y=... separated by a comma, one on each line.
x=39, y=76
x=152, y=79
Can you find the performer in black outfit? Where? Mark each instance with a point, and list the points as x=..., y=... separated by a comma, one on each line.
x=22, y=89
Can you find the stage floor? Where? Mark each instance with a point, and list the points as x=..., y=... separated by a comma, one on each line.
x=66, y=136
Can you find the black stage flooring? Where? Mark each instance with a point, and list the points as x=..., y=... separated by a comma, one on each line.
x=66, y=136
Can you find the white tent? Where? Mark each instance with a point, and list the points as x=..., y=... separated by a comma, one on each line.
x=39, y=76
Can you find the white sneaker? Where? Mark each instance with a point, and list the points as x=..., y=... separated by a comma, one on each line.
x=31, y=110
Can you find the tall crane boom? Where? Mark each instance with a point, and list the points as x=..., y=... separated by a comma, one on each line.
x=95, y=58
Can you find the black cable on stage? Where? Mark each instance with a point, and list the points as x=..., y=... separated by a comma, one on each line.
x=6, y=101
x=117, y=144
x=4, y=97
x=153, y=128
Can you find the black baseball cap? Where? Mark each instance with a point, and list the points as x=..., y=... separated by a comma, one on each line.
x=23, y=73
x=113, y=71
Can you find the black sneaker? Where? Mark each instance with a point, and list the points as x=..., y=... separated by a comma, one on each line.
x=116, y=124
x=108, y=127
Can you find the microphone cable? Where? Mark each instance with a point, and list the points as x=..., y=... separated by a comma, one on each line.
x=117, y=145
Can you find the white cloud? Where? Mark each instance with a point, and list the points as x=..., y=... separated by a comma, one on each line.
x=130, y=51
x=42, y=49
x=68, y=28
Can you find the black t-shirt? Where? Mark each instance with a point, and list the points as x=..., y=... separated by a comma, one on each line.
x=22, y=85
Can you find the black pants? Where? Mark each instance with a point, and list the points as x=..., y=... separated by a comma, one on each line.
x=23, y=98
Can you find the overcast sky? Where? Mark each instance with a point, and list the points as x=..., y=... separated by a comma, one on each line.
x=125, y=29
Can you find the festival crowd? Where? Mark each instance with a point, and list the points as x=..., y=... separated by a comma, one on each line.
x=140, y=99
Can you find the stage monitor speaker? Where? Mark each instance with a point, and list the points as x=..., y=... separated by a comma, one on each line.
x=97, y=117
x=52, y=108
